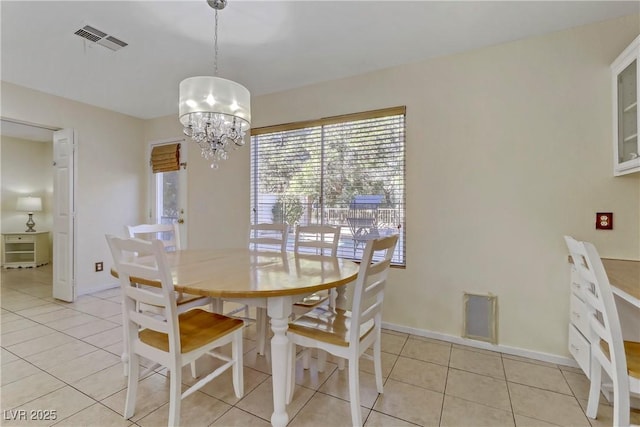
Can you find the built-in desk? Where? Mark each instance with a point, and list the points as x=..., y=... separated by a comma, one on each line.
x=624, y=276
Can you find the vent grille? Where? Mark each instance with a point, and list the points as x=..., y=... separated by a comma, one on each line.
x=100, y=37
x=480, y=317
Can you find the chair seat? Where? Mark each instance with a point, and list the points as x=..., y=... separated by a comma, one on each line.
x=632, y=352
x=188, y=298
x=328, y=325
x=313, y=299
x=197, y=328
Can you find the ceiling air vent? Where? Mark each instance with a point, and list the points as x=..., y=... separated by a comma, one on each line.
x=99, y=37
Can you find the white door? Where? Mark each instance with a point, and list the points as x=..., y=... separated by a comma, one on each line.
x=63, y=215
x=169, y=193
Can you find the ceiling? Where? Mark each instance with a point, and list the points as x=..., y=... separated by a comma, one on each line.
x=268, y=46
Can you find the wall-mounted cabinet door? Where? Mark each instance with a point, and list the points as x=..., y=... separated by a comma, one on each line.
x=626, y=80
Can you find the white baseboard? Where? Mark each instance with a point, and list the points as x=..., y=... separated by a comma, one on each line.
x=536, y=355
x=98, y=288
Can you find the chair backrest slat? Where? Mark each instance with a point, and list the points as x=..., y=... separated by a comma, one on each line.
x=145, y=296
x=319, y=238
x=169, y=234
x=264, y=236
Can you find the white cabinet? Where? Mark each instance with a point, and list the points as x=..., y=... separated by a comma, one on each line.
x=25, y=249
x=625, y=83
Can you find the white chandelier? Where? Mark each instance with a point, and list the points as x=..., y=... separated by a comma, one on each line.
x=215, y=112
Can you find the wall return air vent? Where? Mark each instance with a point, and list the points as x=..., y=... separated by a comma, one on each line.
x=100, y=37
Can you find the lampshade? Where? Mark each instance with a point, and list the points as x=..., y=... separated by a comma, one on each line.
x=205, y=94
x=29, y=204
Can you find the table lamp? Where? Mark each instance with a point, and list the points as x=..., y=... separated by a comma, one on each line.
x=30, y=205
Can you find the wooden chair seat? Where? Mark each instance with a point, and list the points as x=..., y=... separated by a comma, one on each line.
x=313, y=299
x=328, y=325
x=632, y=351
x=197, y=328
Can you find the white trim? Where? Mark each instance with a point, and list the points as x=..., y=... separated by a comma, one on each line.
x=98, y=288
x=515, y=351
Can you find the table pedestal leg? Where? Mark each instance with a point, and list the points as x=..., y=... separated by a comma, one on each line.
x=341, y=297
x=279, y=310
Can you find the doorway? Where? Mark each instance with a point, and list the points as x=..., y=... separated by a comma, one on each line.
x=29, y=169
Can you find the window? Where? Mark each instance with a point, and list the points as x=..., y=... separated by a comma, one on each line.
x=346, y=170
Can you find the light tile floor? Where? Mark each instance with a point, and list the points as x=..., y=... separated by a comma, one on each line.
x=65, y=358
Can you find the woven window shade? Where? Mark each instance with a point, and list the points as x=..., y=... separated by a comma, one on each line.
x=165, y=158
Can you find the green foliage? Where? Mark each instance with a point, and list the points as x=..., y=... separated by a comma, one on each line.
x=359, y=158
x=287, y=209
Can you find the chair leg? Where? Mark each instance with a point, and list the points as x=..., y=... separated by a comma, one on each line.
x=175, y=391
x=194, y=369
x=291, y=372
x=322, y=359
x=354, y=391
x=132, y=386
x=306, y=358
x=621, y=403
x=377, y=364
x=594, y=389
x=238, y=366
x=262, y=327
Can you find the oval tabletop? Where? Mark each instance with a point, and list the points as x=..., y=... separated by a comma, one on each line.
x=242, y=273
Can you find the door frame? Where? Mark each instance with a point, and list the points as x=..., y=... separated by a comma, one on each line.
x=151, y=186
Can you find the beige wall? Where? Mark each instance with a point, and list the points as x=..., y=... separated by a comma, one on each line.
x=508, y=149
x=110, y=178
x=26, y=170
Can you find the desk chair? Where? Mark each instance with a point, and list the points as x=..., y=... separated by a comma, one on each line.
x=620, y=359
x=171, y=340
x=348, y=334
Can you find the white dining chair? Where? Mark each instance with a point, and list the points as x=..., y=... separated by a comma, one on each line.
x=263, y=237
x=609, y=352
x=316, y=240
x=169, y=235
x=172, y=340
x=348, y=334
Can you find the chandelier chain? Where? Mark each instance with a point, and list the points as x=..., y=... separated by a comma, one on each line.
x=215, y=46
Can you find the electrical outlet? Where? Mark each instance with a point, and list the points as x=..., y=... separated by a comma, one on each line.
x=99, y=266
x=604, y=221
